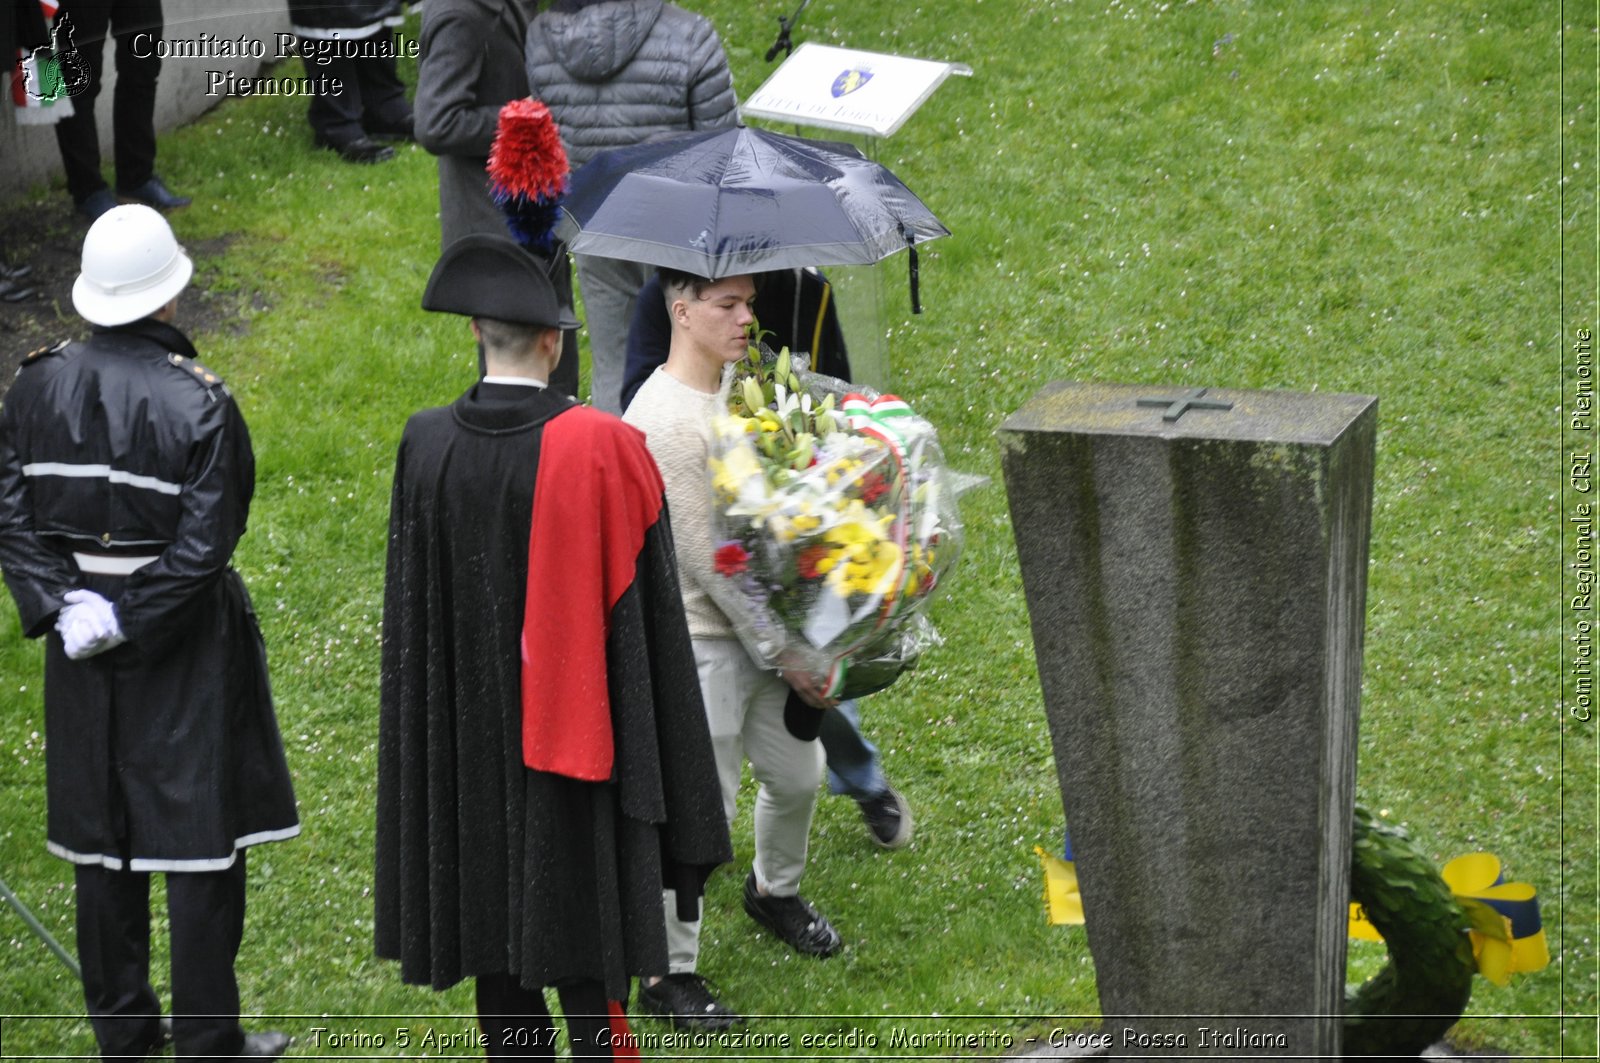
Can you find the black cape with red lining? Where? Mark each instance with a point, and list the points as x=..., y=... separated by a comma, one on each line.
x=484, y=865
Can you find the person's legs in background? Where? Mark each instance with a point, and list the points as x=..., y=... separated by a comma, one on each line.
x=609, y=287
x=77, y=135
x=336, y=117
x=133, y=105
x=855, y=770
x=385, y=111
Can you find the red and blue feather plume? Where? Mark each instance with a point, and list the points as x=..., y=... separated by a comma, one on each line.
x=528, y=172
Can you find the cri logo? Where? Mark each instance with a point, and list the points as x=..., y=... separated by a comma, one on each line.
x=56, y=69
x=850, y=80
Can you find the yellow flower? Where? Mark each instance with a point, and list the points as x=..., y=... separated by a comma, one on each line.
x=882, y=573
x=864, y=563
x=730, y=473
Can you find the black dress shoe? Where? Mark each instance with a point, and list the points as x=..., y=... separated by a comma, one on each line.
x=268, y=1044
x=155, y=194
x=96, y=203
x=12, y=292
x=163, y=1037
x=15, y=273
x=361, y=149
x=400, y=131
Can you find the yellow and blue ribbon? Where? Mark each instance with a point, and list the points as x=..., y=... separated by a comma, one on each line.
x=1515, y=945
x=1507, y=936
x=1062, y=900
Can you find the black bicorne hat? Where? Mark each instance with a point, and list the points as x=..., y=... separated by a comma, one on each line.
x=485, y=275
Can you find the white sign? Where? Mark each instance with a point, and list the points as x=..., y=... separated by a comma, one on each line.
x=840, y=88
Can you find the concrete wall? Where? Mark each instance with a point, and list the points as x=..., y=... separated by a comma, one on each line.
x=28, y=153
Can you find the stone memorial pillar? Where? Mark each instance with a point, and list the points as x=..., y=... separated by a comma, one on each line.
x=1195, y=567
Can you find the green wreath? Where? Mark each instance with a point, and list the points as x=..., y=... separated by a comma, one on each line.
x=1425, y=986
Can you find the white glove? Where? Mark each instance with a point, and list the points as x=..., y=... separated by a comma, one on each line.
x=88, y=625
x=80, y=623
x=77, y=633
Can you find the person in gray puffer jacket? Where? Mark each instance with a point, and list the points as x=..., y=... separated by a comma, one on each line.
x=616, y=73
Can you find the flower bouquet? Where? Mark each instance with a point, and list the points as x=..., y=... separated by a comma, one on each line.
x=834, y=521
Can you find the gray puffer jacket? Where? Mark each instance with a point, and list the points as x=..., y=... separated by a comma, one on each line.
x=618, y=73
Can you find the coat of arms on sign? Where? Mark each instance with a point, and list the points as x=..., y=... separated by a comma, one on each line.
x=850, y=80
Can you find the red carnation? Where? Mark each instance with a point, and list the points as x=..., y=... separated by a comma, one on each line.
x=732, y=559
x=806, y=563
x=873, y=487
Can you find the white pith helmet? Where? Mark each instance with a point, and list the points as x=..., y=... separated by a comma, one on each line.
x=132, y=266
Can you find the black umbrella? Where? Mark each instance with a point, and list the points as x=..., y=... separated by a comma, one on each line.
x=739, y=200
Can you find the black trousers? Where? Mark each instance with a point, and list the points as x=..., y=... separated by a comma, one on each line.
x=134, y=106
x=206, y=911
x=519, y=1026
x=371, y=99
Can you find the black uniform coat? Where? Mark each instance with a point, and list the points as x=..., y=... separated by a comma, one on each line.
x=162, y=754
x=483, y=865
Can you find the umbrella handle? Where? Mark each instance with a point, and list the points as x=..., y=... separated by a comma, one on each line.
x=916, y=273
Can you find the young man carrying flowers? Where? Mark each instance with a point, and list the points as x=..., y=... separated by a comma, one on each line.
x=744, y=702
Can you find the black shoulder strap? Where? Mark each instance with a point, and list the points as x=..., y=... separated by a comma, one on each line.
x=197, y=372
x=45, y=352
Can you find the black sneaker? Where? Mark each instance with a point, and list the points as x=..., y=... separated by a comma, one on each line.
x=684, y=1000
x=888, y=818
x=796, y=923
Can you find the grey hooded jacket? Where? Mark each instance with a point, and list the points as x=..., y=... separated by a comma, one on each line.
x=620, y=72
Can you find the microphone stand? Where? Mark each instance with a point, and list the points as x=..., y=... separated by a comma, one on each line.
x=783, y=43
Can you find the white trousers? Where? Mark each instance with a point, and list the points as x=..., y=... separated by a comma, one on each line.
x=744, y=711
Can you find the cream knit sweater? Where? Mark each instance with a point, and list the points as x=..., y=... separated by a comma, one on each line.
x=676, y=422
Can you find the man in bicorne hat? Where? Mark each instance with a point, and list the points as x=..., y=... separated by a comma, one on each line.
x=544, y=768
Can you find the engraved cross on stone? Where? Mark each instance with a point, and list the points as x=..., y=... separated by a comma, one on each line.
x=1181, y=405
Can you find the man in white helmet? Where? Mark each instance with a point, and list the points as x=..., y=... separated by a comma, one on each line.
x=125, y=482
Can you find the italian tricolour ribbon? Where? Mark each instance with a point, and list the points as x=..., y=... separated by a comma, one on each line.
x=890, y=420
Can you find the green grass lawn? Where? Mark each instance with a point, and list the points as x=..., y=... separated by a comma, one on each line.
x=1318, y=196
